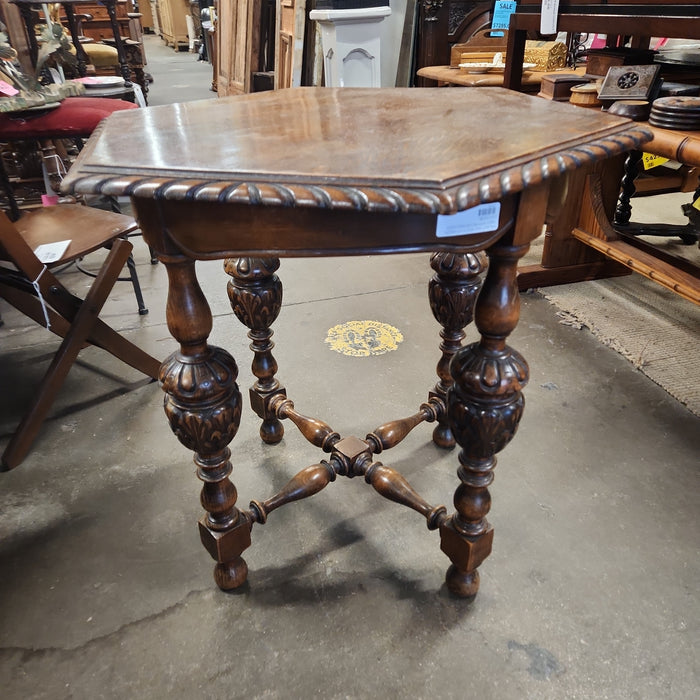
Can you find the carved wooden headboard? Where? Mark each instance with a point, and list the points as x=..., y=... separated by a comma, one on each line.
x=442, y=23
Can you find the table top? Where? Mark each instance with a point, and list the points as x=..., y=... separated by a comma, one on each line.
x=421, y=150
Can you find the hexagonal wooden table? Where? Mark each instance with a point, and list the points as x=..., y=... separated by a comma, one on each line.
x=321, y=171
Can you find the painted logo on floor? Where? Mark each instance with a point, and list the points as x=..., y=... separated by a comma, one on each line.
x=363, y=338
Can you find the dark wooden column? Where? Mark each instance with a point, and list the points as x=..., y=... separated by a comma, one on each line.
x=203, y=406
x=484, y=407
x=255, y=293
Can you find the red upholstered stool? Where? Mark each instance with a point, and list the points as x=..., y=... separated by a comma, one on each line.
x=74, y=117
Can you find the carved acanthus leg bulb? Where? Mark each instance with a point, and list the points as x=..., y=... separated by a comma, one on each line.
x=255, y=293
x=484, y=407
x=203, y=406
x=452, y=292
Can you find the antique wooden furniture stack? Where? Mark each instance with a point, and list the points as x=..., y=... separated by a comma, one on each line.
x=583, y=243
x=325, y=171
x=70, y=121
x=484, y=48
x=247, y=43
x=109, y=21
x=98, y=24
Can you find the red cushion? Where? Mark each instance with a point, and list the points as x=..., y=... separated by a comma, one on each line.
x=75, y=116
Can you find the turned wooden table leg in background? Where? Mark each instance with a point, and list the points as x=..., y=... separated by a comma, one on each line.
x=452, y=291
x=255, y=293
x=203, y=405
x=623, y=210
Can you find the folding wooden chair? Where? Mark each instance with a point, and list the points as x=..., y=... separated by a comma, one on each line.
x=35, y=291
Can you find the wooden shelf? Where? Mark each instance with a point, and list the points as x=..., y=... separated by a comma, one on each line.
x=681, y=281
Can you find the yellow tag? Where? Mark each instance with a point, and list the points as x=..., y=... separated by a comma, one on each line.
x=651, y=161
x=696, y=203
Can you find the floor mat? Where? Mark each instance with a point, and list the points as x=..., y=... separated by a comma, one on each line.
x=655, y=329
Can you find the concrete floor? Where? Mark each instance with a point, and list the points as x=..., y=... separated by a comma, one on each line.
x=106, y=592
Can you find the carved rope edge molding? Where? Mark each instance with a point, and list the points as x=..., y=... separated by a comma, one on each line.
x=371, y=199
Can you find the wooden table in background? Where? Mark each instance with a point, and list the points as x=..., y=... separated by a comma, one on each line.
x=619, y=242
x=565, y=259
x=455, y=76
x=321, y=172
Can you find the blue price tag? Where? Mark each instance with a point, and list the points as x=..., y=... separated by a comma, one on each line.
x=502, y=10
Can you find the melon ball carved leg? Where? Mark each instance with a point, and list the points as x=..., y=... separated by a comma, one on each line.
x=452, y=292
x=203, y=406
x=255, y=293
x=484, y=407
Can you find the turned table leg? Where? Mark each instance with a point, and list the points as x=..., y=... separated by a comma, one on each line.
x=203, y=405
x=255, y=293
x=452, y=292
x=623, y=210
x=484, y=406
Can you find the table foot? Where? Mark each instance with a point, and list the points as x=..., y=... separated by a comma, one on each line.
x=452, y=292
x=255, y=293
x=443, y=437
x=271, y=431
x=462, y=584
x=231, y=575
x=484, y=406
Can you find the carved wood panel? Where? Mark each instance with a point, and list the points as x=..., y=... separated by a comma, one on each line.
x=443, y=23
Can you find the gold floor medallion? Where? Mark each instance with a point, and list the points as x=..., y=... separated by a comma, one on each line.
x=363, y=338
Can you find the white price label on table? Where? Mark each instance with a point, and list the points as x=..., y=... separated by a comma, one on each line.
x=549, y=16
x=479, y=219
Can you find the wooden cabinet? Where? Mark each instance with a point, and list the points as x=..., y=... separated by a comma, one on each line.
x=146, y=15
x=173, y=24
x=238, y=37
x=99, y=27
x=443, y=23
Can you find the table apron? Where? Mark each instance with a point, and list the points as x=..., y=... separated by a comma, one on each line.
x=213, y=230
